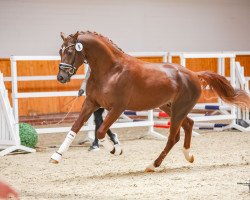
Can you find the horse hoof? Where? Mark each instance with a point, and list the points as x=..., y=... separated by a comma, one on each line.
x=55, y=158
x=191, y=159
x=53, y=161
x=150, y=168
x=117, y=150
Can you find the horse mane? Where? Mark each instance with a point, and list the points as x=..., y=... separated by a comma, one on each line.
x=103, y=38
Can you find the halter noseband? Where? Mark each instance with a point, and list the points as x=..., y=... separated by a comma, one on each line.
x=68, y=68
x=65, y=67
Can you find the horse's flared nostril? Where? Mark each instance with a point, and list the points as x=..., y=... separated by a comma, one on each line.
x=59, y=78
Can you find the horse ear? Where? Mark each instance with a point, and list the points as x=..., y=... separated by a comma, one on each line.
x=76, y=35
x=63, y=36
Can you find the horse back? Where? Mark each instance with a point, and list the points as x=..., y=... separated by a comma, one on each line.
x=154, y=84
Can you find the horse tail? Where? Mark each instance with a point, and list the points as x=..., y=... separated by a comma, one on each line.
x=224, y=89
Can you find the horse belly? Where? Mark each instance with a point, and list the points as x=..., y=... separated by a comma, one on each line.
x=150, y=98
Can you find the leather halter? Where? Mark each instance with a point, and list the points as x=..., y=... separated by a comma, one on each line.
x=69, y=68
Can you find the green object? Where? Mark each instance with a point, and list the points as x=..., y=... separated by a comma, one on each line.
x=28, y=135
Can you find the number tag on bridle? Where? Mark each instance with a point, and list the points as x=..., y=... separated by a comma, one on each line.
x=78, y=46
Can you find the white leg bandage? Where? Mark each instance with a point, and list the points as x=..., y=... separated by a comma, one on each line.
x=107, y=144
x=64, y=147
x=188, y=156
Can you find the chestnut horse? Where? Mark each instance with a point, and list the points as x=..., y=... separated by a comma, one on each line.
x=118, y=82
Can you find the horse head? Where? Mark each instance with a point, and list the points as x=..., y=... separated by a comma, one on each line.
x=72, y=56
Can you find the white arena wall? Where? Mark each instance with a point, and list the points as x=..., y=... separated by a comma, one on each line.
x=32, y=27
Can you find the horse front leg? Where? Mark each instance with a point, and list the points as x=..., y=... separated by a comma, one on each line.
x=111, y=117
x=87, y=109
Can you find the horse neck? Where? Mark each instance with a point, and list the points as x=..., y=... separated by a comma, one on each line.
x=100, y=56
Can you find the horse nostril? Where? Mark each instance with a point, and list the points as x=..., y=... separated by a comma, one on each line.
x=59, y=78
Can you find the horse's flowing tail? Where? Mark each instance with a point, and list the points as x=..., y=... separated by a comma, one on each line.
x=224, y=89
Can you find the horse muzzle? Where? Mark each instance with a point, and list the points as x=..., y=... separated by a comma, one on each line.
x=63, y=77
x=66, y=71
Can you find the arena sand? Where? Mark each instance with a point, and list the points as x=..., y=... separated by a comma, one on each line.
x=221, y=160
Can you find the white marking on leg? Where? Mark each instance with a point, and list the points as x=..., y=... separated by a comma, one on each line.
x=150, y=168
x=188, y=156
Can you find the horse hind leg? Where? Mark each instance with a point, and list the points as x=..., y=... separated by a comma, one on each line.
x=187, y=125
x=167, y=109
x=178, y=114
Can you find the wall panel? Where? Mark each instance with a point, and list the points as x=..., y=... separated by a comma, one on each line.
x=36, y=106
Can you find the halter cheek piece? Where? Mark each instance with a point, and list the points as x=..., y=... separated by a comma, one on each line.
x=68, y=68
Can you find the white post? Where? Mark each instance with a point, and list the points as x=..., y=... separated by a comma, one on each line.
x=151, y=119
x=223, y=67
x=169, y=58
x=232, y=71
x=151, y=127
x=15, y=94
x=183, y=60
x=233, y=83
x=238, y=86
x=219, y=71
x=165, y=58
x=245, y=112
